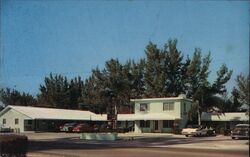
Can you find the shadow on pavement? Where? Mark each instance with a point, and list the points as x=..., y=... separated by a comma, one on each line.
x=76, y=143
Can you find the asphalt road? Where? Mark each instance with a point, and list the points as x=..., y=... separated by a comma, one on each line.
x=138, y=152
x=141, y=146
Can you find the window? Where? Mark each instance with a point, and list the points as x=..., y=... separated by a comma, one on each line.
x=184, y=107
x=29, y=122
x=168, y=106
x=16, y=121
x=168, y=123
x=143, y=107
x=144, y=124
x=4, y=121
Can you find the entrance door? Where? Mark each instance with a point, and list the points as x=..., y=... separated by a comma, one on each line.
x=156, y=125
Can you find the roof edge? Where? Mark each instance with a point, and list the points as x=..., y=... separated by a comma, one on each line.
x=160, y=99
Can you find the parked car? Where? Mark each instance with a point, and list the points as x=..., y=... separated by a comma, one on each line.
x=240, y=131
x=194, y=130
x=211, y=132
x=68, y=127
x=5, y=129
x=96, y=128
x=83, y=127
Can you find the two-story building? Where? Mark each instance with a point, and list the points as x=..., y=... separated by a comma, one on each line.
x=160, y=114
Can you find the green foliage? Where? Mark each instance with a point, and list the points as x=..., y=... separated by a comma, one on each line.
x=58, y=92
x=14, y=97
x=174, y=70
x=231, y=104
x=243, y=88
x=154, y=75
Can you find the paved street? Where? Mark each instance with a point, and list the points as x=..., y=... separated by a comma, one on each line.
x=146, y=145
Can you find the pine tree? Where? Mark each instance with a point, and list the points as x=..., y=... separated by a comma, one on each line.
x=243, y=85
x=173, y=73
x=13, y=97
x=154, y=81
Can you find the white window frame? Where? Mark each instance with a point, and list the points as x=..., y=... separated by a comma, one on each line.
x=144, y=107
x=168, y=106
x=4, y=121
x=16, y=121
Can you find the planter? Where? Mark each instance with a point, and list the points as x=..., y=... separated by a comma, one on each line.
x=99, y=136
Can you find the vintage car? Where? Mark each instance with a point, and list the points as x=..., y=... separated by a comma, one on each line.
x=83, y=127
x=194, y=130
x=240, y=131
x=68, y=127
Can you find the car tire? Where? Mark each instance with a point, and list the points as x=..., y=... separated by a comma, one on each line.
x=233, y=138
x=186, y=135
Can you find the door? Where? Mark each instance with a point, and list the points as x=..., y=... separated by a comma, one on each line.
x=156, y=125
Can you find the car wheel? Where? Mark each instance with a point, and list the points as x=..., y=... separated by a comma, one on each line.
x=186, y=135
x=233, y=138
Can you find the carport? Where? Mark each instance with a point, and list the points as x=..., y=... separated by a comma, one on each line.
x=26, y=118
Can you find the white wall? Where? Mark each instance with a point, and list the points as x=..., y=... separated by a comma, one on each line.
x=184, y=115
x=156, y=106
x=10, y=117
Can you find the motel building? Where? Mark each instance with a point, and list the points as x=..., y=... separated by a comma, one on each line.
x=151, y=115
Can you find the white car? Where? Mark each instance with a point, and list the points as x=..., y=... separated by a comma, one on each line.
x=240, y=131
x=194, y=130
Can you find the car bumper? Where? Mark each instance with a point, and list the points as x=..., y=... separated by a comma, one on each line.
x=239, y=136
x=189, y=133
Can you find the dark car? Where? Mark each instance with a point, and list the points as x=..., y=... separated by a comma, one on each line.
x=96, y=128
x=240, y=131
x=83, y=127
x=68, y=127
x=5, y=129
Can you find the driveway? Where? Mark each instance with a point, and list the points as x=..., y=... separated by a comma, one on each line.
x=70, y=144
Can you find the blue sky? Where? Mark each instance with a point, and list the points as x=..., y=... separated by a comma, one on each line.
x=72, y=37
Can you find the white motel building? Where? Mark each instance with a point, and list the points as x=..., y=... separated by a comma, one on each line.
x=161, y=115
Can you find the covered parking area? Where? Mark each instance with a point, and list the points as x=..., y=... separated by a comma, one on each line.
x=26, y=118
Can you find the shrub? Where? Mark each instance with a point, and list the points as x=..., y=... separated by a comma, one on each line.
x=13, y=145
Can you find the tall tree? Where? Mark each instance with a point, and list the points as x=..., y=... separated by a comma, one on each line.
x=58, y=92
x=174, y=69
x=154, y=75
x=243, y=89
x=199, y=88
x=13, y=97
x=137, y=82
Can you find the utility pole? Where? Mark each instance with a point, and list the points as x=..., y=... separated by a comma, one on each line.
x=198, y=111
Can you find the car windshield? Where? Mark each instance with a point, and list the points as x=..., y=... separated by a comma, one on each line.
x=70, y=124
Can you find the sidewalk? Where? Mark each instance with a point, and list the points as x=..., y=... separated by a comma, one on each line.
x=215, y=146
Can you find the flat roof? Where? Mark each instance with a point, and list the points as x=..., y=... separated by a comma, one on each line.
x=147, y=116
x=41, y=113
x=55, y=114
x=161, y=99
x=228, y=116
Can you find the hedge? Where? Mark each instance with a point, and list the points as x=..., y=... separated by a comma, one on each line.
x=13, y=145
